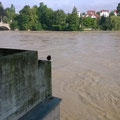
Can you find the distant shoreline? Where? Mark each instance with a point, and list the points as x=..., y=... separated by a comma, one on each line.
x=61, y=31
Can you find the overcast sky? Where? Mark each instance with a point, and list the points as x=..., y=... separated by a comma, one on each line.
x=66, y=5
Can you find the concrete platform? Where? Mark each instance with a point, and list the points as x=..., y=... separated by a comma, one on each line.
x=26, y=87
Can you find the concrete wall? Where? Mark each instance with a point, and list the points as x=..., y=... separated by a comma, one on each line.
x=24, y=82
x=44, y=78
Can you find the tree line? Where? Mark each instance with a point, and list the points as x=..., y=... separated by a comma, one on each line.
x=43, y=18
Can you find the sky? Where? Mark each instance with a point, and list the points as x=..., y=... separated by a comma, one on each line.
x=66, y=5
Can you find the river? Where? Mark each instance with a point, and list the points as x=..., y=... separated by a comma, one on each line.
x=85, y=69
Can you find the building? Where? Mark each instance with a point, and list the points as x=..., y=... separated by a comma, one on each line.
x=115, y=12
x=104, y=13
x=91, y=14
x=79, y=13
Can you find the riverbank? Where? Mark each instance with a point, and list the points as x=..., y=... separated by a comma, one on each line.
x=86, y=30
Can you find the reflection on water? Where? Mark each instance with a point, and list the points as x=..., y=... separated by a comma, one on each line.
x=86, y=69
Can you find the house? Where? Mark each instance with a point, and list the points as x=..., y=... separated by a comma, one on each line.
x=79, y=13
x=91, y=14
x=104, y=13
x=115, y=12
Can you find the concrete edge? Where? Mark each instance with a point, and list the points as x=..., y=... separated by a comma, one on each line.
x=17, y=51
x=42, y=109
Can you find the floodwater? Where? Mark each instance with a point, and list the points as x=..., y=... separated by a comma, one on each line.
x=85, y=69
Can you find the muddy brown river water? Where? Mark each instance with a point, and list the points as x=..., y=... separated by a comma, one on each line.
x=85, y=69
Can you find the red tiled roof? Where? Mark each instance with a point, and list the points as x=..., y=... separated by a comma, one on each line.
x=91, y=12
x=97, y=16
x=104, y=11
x=115, y=10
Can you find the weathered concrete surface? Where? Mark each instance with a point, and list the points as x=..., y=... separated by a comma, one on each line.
x=22, y=85
x=44, y=78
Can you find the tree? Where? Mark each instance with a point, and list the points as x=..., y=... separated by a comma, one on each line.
x=10, y=13
x=81, y=23
x=115, y=22
x=118, y=9
x=102, y=22
x=35, y=24
x=59, y=20
x=90, y=23
x=73, y=20
x=27, y=19
x=98, y=13
x=45, y=16
x=111, y=14
x=14, y=25
x=2, y=11
x=108, y=24
x=105, y=23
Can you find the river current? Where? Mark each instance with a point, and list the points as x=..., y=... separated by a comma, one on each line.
x=85, y=69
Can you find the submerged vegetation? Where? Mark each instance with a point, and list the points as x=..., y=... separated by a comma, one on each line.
x=43, y=18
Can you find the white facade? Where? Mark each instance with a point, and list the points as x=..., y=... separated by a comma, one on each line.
x=115, y=12
x=93, y=16
x=79, y=14
x=87, y=16
x=104, y=13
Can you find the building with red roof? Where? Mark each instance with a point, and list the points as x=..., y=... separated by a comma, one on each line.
x=115, y=12
x=92, y=14
x=104, y=13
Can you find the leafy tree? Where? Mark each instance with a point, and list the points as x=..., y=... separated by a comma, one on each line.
x=98, y=13
x=35, y=25
x=27, y=19
x=112, y=13
x=102, y=22
x=2, y=11
x=10, y=12
x=108, y=24
x=5, y=19
x=81, y=23
x=14, y=25
x=115, y=22
x=59, y=20
x=90, y=23
x=105, y=23
x=118, y=9
x=73, y=20
x=45, y=16
x=26, y=10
